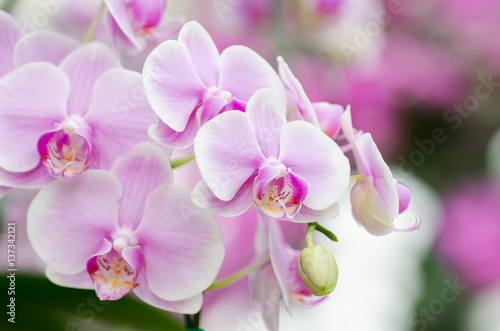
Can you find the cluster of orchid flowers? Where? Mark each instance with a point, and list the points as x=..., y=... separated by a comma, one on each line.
x=97, y=139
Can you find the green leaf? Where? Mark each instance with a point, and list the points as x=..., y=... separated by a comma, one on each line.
x=41, y=305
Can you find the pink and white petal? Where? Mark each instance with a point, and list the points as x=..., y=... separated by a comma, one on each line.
x=404, y=195
x=140, y=172
x=162, y=133
x=281, y=259
x=227, y=153
x=297, y=92
x=147, y=12
x=383, y=181
x=318, y=160
x=43, y=46
x=10, y=33
x=119, y=13
x=79, y=280
x=38, y=177
x=348, y=131
x=328, y=117
x=190, y=305
x=68, y=219
x=268, y=116
x=308, y=215
x=203, y=52
x=172, y=231
x=240, y=203
x=369, y=210
x=172, y=84
x=211, y=108
x=84, y=66
x=27, y=110
x=267, y=293
x=119, y=115
x=243, y=72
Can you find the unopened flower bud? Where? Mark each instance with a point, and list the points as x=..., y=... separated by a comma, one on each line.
x=318, y=270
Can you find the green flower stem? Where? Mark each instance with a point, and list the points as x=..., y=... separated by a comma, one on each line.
x=89, y=35
x=7, y=6
x=175, y=163
x=239, y=274
x=311, y=228
x=329, y=234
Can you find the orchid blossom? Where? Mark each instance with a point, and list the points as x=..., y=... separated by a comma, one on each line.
x=127, y=230
x=188, y=83
x=377, y=198
x=288, y=170
x=60, y=121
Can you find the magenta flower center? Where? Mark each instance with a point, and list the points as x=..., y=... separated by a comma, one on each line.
x=282, y=196
x=65, y=153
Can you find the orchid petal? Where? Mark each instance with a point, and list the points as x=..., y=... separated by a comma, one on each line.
x=267, y=292
x=243, y=72
x=202, y=51
x=369, y=210
x=404, y=194
x=147, y=12
x=281, y=259
x=140, y=172
x=241, y=202
x=10, y=33
x=27, y=110
x=268, y=118
x=68, y=219
x=316, y=158
x=378, y=170
x=227, y=153
x=119, y=12
x=328, y=117
x=172, y=231
x=211, y=108
x=43, y=46
x=119, y=115
x=297, y=92
x=84, y=66
x=79, y=280
x=307, y=215
x=163, y=134
x=190, y=305
x=38, y=177
x=172, y=85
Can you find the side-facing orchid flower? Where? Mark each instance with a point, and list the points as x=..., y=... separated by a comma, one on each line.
x=377, y=198
x=324, y=115
x=60, y=121
x=188, y=83
x=134, y=22
x=128, y=229
x=278, y=281
x=288, y=170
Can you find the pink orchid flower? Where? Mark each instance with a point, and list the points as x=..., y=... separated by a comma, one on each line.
x=288, y=170
x=377, y=198
x=134, y=21
x=278, y=281
x=60, y=121
x=128, y=229
x=188, y=83
x=324, y=115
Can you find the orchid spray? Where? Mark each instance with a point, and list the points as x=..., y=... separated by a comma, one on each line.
x=97, y=140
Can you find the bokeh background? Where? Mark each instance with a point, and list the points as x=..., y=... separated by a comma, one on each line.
x=423, y=76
